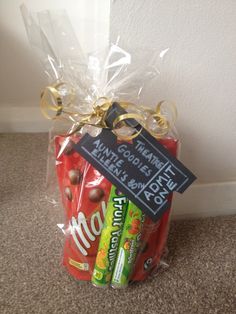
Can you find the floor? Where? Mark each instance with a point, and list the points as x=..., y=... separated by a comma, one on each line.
x=202, y=253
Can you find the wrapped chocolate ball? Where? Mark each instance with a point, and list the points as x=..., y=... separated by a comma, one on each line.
x=96, y=195
x=75, y=176
x=69, y=148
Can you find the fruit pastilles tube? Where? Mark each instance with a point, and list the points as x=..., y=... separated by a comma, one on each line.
x=110, y=238
x=128, y=247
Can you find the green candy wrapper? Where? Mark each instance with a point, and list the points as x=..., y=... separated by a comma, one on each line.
x=110, y=238
x=128, y=247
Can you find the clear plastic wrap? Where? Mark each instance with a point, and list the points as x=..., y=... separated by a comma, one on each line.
x=80, y=84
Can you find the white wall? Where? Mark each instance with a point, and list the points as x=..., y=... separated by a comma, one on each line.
x=199, y=74
x=21, y=75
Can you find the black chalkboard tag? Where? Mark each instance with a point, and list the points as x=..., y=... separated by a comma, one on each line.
x=143, y=169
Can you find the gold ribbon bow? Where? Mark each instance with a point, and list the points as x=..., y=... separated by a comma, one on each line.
x=51, y=101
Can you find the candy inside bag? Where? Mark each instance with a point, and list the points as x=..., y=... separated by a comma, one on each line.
x=82, y=87
x=85, y=194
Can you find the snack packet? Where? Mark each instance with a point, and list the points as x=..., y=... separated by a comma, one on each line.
x=110, y=238
x=84, y=193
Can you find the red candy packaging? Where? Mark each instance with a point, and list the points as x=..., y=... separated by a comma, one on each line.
x=85, y=194
x=154, y=235
x=115, y=221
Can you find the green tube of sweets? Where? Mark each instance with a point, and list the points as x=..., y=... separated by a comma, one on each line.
x=110, y=238
x=129, y=243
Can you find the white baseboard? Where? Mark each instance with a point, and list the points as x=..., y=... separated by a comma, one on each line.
x=22, y=119
x=205, y=200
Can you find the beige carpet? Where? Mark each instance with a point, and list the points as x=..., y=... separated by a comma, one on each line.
x=202, y=257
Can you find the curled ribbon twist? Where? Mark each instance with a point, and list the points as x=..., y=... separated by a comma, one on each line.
x=52, y=101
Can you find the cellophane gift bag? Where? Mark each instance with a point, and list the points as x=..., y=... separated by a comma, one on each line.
x=108, y=239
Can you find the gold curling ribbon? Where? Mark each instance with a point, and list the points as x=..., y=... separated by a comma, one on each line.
x=51, y=100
